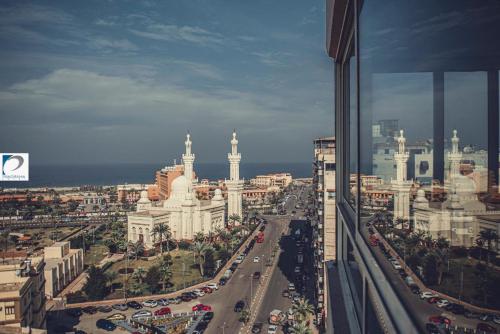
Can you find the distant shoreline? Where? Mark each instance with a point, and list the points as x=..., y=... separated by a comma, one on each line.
x=58, y=176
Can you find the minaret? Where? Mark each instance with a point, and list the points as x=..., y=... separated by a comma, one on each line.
x=454, y=157
x=401, y=185
x=234, y=184
x=188, y=159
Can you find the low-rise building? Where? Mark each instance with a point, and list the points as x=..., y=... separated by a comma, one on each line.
x=63, y=265
x=281, y=180
x=22, y=293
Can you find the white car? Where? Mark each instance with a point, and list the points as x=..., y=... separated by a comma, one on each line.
x=150, y=303
x=297, y=270
x=291, y=287
x=256, y=259
x=239, y=259
x=141, y=314
x=396, y=265
x=427, y=295
x=272, y=329
x=442, y=303
x=199, y=293
x=213, y=286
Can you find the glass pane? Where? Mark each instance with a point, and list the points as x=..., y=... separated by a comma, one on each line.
x=352, y=152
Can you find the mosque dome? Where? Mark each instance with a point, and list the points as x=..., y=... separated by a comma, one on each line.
x=217, y=195
x=144, y=198
x=180, y=185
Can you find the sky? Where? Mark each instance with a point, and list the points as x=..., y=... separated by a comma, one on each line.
x=91, y=82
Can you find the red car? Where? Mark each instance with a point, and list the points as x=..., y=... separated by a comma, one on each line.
x=163, y=311
x=202, y=307
x=206, y=289
x=433, y=300
x=486, y=328
x=438, y=319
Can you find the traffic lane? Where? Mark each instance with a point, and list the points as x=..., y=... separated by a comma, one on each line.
x=241, y=284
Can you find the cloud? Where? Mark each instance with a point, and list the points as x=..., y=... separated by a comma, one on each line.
x=104, y=23
x=103, y=43
x=28, y=13
x=272, y=58
x=172, y=32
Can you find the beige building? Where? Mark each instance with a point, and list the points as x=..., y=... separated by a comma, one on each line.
x=281, y=180
x=324, y=220
x=22, y=293
x=62, y=266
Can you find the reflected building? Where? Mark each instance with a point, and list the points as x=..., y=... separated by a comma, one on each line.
x=434, y=67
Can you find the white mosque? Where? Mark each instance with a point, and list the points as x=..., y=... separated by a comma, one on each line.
x=182, y=211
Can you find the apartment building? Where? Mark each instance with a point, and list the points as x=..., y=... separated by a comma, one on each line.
x=281, y=180
x=165, y=177
x=423, y=64
x=62, y=266
x=323, y=219
x=22, y=293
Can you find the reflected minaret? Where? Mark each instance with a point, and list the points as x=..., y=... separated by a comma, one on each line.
x=401, y=185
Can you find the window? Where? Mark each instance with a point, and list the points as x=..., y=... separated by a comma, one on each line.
x=9, y=310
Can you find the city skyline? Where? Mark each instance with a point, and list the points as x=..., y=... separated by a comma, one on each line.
x=123, y=82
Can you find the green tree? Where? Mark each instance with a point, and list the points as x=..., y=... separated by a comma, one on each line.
x=96, y=287
x=161, y=232
x=244, y=316
x=200, y=250
x=139, y=274
x=165, y=276
x=152, y=278
x=430, y=269
x=488, y=237
x=302, y=309
x=199, y=237
x=300, y=328
x=233, y=219
x=111, y=276
x=136, y=248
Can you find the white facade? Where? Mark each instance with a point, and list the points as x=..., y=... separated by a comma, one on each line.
x=234, y=184
x=182, y=211
x=401, y=185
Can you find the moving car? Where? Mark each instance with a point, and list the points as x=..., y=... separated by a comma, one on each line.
x=257, y=327
x=150, y=303
x=105, y=324
x=240, y=305
x=163, y=311
x=256, y=259
x=256, y=275
x=272, y=329
x=141, y=314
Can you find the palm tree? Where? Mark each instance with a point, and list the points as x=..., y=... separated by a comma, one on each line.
x=136, y=248
x=234, y=218
x=302, y=308
x=162, y=232
x=300, y=328
x=199, y=237
x=488, y=237
x=166, y=275
x=139, y=274
x=200, y=250
x=111, y=276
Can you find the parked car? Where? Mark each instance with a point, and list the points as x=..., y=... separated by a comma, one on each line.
x=201, y=307
x=74, y=312
x=257, y=327
x=239, y=259
x=486, y=328
x=396, y=265
x=208, y=316
x=213, y=286
x=150, y=303
x=198, y=292
x=186, y=298
x=105, y=309
x=239, y=306
x=456, y=308
x=291, y=287
x=486, y=317
x=135, y=305
x=163, y=301
x=427, y=295
x=120, y=307
x=432, y=328
x=175, y=300
x=105, y=324
x=438, y=319
x=163, y=311
x=496, y=319
x=433, y=300
x=141, y=314
x=206, y=289
x=442, y=303
x=116, y=317
x=90, y=310
x=415, y=289
x=285, y=293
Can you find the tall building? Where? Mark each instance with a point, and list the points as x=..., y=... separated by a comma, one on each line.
x=234, y=184
x=22, y=293
x=62, y=266
x=433, y=67
x=323, y=220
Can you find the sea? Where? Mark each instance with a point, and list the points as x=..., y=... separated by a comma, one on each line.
x=122, y=173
